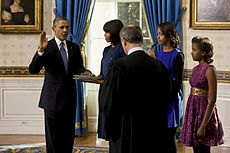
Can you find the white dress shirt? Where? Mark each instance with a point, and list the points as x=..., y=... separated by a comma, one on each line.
x=134, y=49
x=59, y=45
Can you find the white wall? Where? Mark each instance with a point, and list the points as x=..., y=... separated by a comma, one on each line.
x=19, y=112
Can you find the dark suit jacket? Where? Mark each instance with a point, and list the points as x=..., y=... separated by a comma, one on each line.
x=59, y=87
x=136, y=92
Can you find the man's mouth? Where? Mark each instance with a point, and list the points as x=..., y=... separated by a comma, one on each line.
x=65, y=34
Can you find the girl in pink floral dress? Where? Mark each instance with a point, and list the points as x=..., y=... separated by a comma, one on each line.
x=202, y=127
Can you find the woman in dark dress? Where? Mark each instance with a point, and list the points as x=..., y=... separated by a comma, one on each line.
x=110, y=54
x=16, y=14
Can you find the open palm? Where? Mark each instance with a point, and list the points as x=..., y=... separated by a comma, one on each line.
x=43, y=41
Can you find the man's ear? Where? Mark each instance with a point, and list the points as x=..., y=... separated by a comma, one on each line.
x=123, y=41
x=53, y=28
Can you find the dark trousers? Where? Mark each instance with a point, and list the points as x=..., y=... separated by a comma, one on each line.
x=201, y=149
x=60, y=129
x=172, y=147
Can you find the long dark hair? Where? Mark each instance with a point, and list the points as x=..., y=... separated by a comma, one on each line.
x=170, y=31
x=114, y=27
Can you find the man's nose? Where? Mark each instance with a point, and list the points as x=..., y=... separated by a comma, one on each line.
x=65, y=29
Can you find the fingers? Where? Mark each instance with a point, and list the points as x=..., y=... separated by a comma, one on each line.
x=151, y=53
x=43, y=36
x=200, y=133
x=87, y=73
x=43, y=41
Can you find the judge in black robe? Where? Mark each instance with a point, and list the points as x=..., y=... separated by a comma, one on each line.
x=135, y=96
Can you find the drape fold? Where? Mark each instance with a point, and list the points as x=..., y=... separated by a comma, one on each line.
x=79, y=13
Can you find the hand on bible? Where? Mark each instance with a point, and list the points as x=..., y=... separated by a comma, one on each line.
x=43, y=42
x=97, y=79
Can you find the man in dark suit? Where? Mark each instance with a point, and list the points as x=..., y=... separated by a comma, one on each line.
x=136, y=93
x=61, y=60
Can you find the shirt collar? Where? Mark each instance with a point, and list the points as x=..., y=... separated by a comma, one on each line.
x=134, y=49
x=58, y=41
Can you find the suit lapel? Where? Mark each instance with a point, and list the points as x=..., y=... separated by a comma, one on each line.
x=70, y=54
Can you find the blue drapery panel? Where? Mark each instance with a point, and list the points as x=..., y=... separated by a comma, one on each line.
x=158, y=11
x=80, y=124
x=77, y=12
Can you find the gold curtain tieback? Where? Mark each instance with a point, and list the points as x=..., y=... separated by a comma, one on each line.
x=199, y=92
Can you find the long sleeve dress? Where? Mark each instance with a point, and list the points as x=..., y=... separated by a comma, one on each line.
x=174, y=62
x=110, y=55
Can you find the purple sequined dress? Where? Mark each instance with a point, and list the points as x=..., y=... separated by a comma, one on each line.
x=195, y=111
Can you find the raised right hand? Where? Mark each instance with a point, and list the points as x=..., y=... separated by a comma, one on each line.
x=43, y=42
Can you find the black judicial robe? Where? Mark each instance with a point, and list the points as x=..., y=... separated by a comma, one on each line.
x=135, y=96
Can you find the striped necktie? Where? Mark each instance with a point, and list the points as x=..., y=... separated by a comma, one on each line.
x=64, y=56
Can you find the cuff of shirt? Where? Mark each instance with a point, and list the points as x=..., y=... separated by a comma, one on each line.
x=40, y=53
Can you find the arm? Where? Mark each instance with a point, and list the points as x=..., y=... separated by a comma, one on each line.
x=212, y=91
x=179, y=66
x=6, y=16
x=37, y=63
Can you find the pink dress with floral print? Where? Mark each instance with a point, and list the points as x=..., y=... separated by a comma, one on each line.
x=195, y=110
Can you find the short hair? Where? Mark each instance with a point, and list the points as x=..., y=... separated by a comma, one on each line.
x=204, y=44
x=169, y=30
x=58, y=18
x=113, y=27
x=132, y=34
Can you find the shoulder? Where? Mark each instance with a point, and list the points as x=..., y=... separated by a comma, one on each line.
x=122, y=61
x=211, y=69
x=179, y=53
x=211, y=72
x=52, y=43
x=119, y=47
x=8, y=9
x=106, y=49
x=71, y=43
x=72, y=46
x=180, y=56
x=120, y=51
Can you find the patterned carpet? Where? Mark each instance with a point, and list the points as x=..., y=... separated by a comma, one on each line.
x=40, y=148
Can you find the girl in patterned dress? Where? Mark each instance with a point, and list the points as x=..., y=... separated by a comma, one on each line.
x=202, y=127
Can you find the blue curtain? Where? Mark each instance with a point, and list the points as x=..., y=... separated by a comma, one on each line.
x=78, y=12
x=158, y=11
